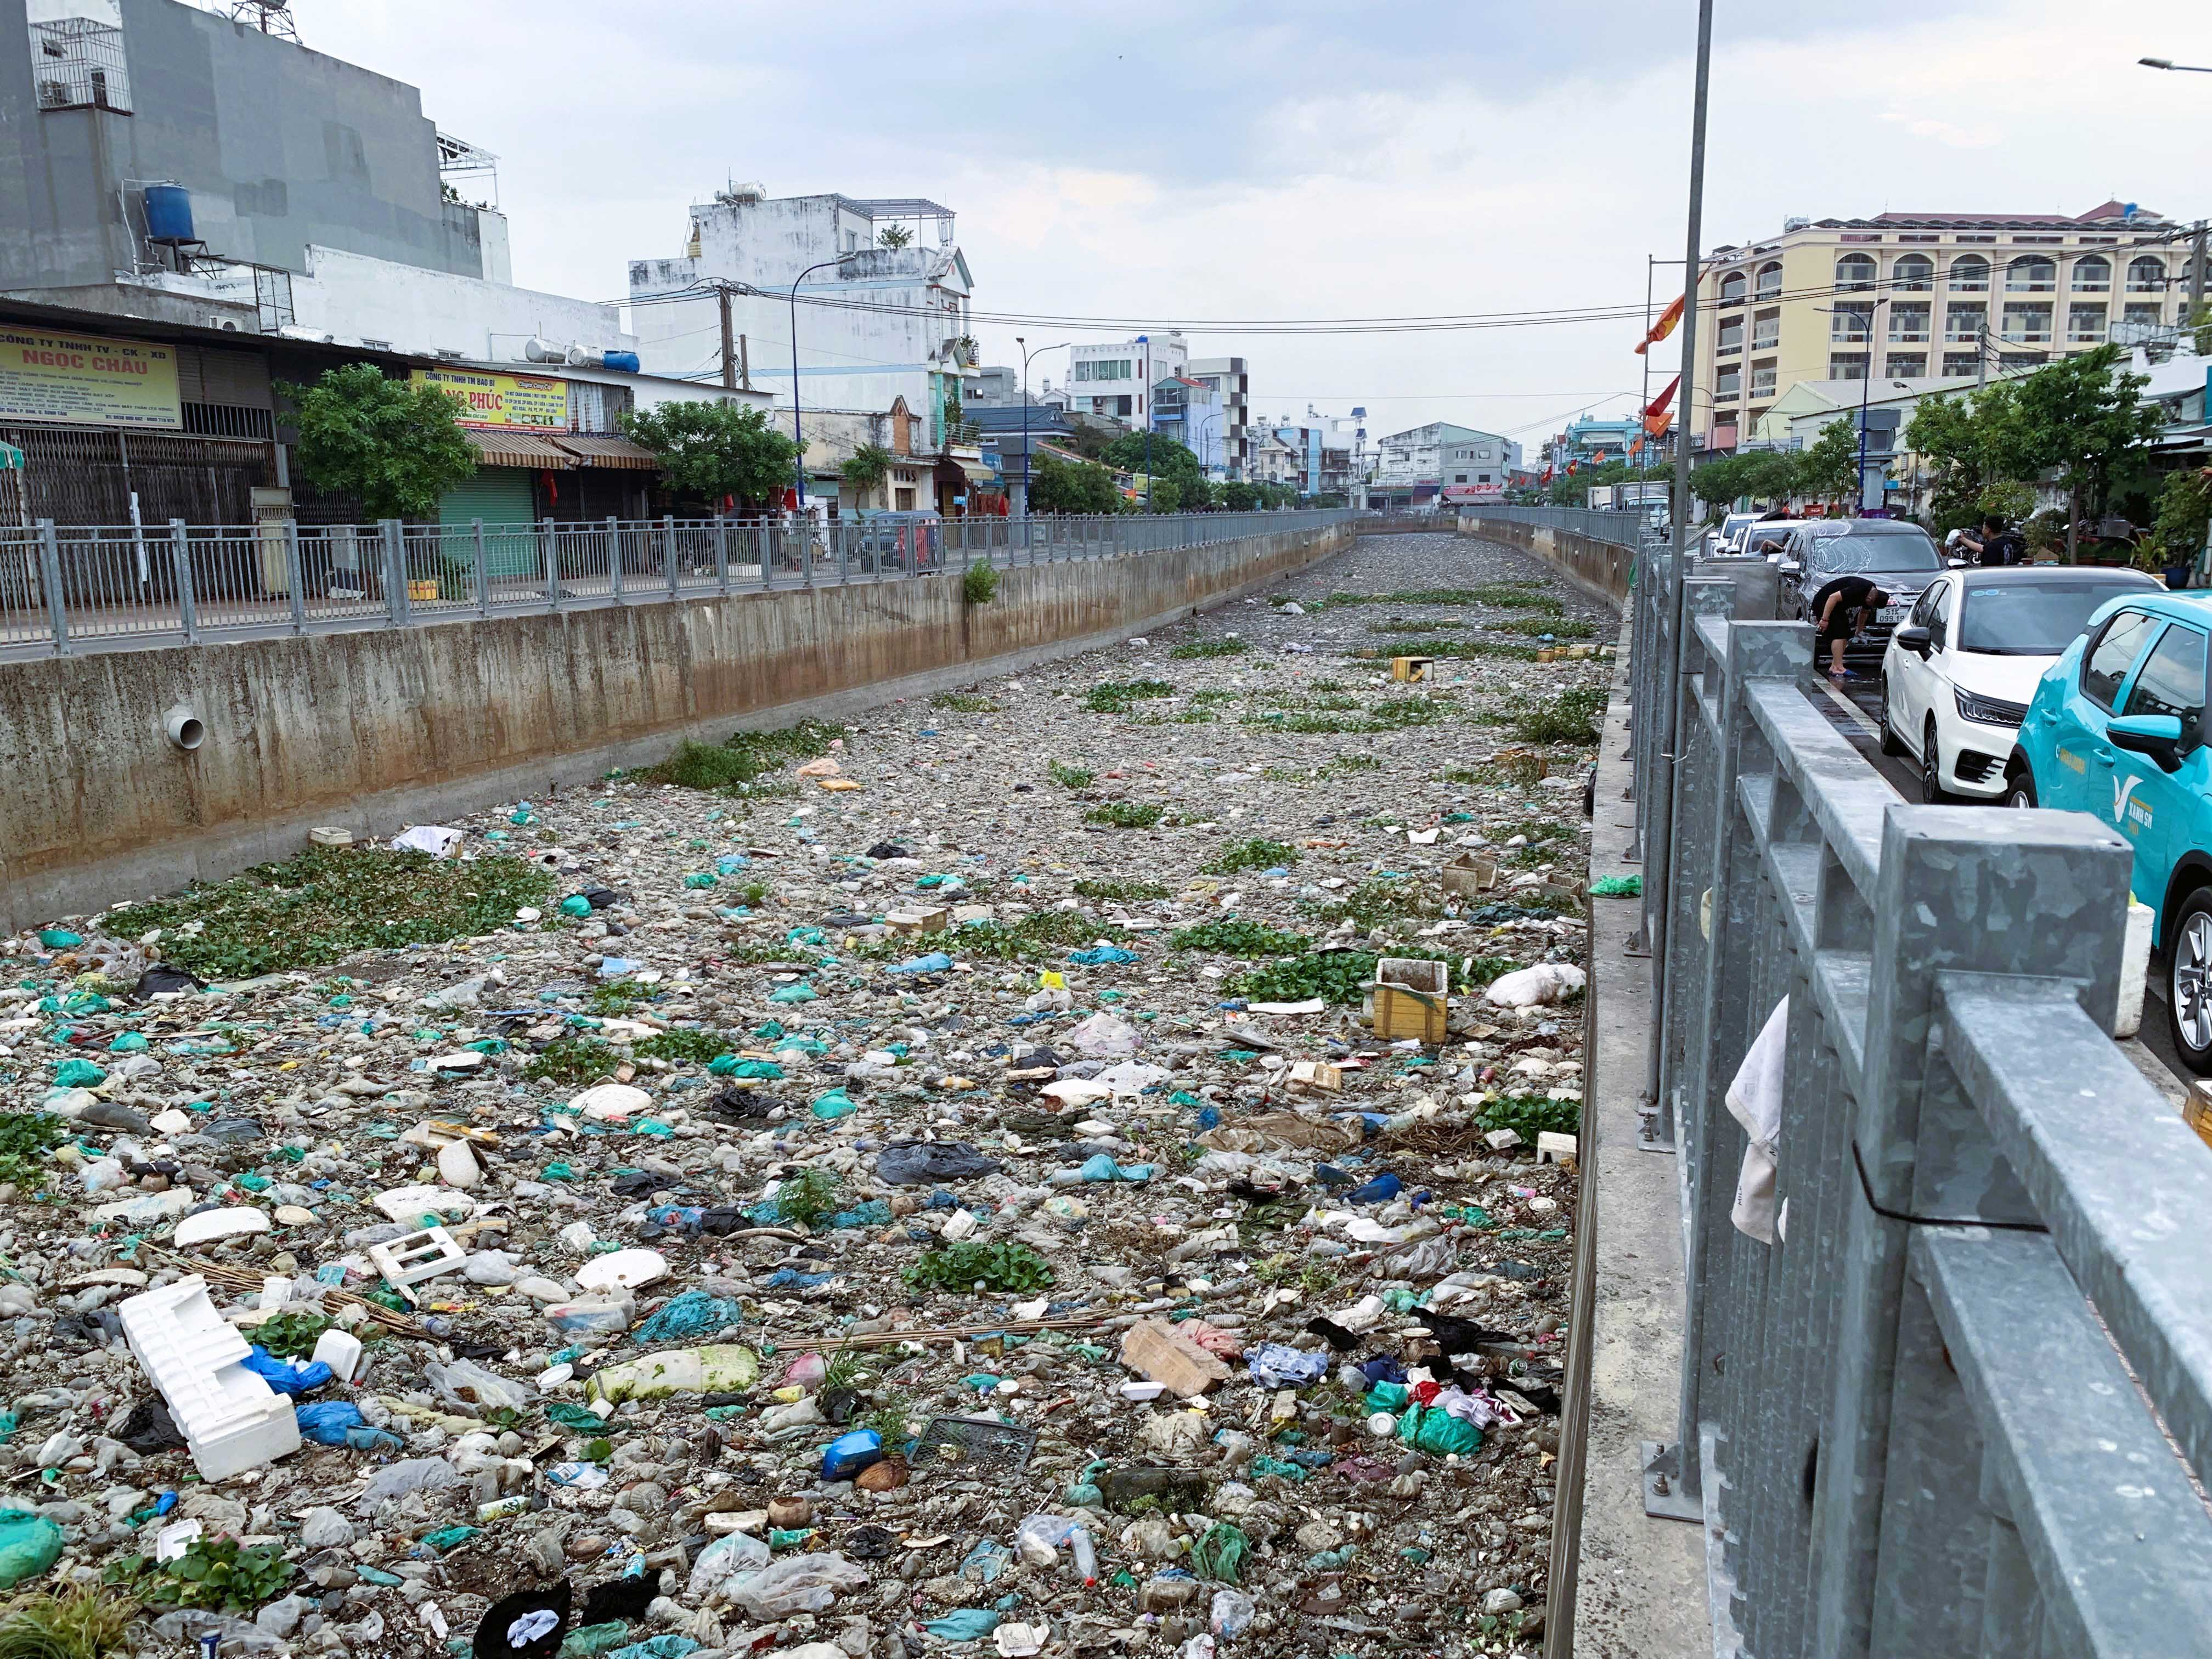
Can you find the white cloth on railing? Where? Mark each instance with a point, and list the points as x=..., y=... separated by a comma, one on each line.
x=1755, y=1100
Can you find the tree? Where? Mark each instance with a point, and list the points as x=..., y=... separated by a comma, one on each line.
x=715, y=450
x=1164, y=496
x=867, y=468
x=2085, y=422
x=894, y=236
x=1769, y=474
x=1829, y=465
x=393, y=446
x=1239, y=496
x=1072, y=487
x=1718, y=484
x=1965, y=442
x=1168, y=458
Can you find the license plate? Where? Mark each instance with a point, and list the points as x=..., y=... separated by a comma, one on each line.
x=1891, y=613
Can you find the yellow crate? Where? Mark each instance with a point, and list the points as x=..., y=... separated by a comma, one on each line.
x=1412, y=999
x=418, y=592
x=1413, y=670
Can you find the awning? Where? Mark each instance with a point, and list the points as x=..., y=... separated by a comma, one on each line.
x=608, y=452
x=979, y=475
x=497, y=447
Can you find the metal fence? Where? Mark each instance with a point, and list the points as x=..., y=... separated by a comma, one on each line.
x=1931, y=1417
x=76, y=589
x=1622, y=529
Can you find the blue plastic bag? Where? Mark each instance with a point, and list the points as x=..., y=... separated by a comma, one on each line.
x=1102, y=957
x=1381, y=1190
x=964, y=1624
x=847, y=1456
x=935, y=962
x=287, y=1375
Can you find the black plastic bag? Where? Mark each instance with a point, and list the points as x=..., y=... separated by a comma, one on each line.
x=921, y=1163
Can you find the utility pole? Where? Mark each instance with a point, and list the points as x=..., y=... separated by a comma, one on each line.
x=745, y=365
x=2196, y=272
x=729, y=357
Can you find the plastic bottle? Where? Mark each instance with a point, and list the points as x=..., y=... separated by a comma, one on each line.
x=1231, y=1615
x=1041, y=1537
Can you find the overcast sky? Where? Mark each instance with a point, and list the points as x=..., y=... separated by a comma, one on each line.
x=1297, y=160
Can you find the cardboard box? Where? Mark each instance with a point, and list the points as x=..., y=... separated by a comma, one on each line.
x=1412, y=669
x=421, y=591
x=1412, y=999
x=1470, y=877
x=931, y=921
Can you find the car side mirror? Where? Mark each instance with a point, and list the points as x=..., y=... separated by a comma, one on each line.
x=1792, y=568
x=1915, y=640
x=1956, y=564
x=2157, y=736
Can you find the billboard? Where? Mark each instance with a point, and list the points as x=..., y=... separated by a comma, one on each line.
x=85, y=381
x=489, y=400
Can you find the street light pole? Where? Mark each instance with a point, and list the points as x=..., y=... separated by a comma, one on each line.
x=1026, y=354
x=798, y=461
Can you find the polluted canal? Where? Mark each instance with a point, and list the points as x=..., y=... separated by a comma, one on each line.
x=1082, y=1163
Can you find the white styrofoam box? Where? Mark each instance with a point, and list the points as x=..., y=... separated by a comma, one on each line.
x=341, y=1352
x=232, y=1420
x=413, y=1257
x=209, y=1225
x=412, y=1203
x=2134, y=970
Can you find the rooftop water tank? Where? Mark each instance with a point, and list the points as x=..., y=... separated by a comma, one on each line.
x=169, y=214
x=625, y=362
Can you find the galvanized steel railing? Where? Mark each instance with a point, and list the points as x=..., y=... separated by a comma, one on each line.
x=76, y=589
x=1931, y=1417
x=1622, y=529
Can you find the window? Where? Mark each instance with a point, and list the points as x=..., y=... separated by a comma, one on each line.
x=1914, y=273
x=1909, y=322
x=1965, y=322
x=2085, y=325
x=1732, y=288
x=2146, y=275
x=1939, y=619
x=2145, y=316
x=1104, y=369
x=1853, y=322
x=1459, y=477
x=1962, y=365
x=1727, y=382
x=1970, y=274
x=1769, y=284
x=2031, y=273
x=1766, y=330
x=1847, y=365
x=1731, y=337
x=1924, y=613
x=1762, y=380
x=2172, y=682
x=77, y=59
x=1854, y=270
x=1977, y=238
x=2048, y=239
x=2026, y=323
x=2093, y=275
x=2105, y=665
x=1907, y=365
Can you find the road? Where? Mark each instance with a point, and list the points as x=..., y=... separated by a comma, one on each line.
x=1855, y=706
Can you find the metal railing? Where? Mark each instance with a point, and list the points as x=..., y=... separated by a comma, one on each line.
x=1622, y=528
x=1930, y=1417
x=70, y=588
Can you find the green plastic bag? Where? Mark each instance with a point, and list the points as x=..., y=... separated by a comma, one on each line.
x=1618, y=887
x=575, y=905
x=1426, y=1428
x=1220, y=1554
x=29, y=1544
x=78, y=1074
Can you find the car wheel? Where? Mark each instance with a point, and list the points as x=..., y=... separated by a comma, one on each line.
x=2019, y=788
x=1891, y=743
x=2189, y=982
x=1931, y=768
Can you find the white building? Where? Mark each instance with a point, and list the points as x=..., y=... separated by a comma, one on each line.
x=1229, y=449
x=876, y=323
x=394, y=308
x=1114, y=379
x=1454, y=463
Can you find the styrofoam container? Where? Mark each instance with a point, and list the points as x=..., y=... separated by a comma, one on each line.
x=231, y=1420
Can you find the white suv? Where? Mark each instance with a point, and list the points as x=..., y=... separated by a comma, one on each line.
x=1963, y=665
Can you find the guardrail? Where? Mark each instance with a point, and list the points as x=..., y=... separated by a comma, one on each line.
x=1622, y=529
x=1926, y=1389
x=64, y=589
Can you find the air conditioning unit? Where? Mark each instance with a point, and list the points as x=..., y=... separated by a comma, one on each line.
x=228, y=324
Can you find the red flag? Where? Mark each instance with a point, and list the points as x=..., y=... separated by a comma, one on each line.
x=1662, y=328
x=1658, y=405
x=1546, y=478
x=1657, y=425
x=1572, y=467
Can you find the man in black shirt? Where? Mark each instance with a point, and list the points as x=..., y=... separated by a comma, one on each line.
x=1841, y=610
x=1994, y=544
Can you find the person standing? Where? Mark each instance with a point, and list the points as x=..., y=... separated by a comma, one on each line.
x=1994, y=544
x=1841, y=610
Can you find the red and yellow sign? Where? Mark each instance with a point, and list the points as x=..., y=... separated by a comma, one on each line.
x=489, y=399
x=85, y=381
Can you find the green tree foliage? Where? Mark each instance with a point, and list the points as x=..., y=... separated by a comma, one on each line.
x=894, y=236
x=1238, y=496
x=393, y=446
x=1829, y=465
x=867, y=469
x=2083, y=418
x=712, y=450
x=1166, y=496
x=2185, y=512
x=1073, y=487
x=1168, y=457
x=1956, y=440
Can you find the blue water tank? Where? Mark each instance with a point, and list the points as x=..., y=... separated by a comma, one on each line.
x=625, y=361
x=169, y=214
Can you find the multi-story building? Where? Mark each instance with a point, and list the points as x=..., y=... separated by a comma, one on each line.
x=1230, y=447
x=1922, y=296
x=1594, y=442
x=1441, y=461
x=1116, y=379
x=880, y=321
x=1190, y=412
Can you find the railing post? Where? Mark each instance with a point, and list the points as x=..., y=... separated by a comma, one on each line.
x=180, y=551
x=49, y=578
x=549, y=546
x=668, y=551
x=483, y=571
x=2046, y=897
x=295, y=576
x=614, y=558
x=843, y=533
x=396, y=602
x=721, y=554
x=765, y=537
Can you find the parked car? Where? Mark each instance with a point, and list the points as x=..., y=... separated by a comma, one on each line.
x=1732, y=526
x=1765, y=536
x=907, y=544
x=1965, y=661
x=2116, y=728
x=1899, y=558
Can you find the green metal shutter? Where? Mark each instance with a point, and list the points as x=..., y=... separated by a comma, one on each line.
x=501, y=496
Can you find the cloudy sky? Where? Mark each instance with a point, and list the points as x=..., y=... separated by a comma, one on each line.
x=1302, y=161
